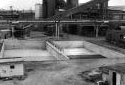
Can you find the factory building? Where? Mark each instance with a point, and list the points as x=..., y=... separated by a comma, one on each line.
x=6, y=14
x=26, y=15
x=38, y=11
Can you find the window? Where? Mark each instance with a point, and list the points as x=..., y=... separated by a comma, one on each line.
x=12, y=67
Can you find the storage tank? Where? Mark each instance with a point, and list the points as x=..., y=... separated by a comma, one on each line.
x=38, y=11
x=72, y=3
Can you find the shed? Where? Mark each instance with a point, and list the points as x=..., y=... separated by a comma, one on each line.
x=11, y=67
x=114, y=74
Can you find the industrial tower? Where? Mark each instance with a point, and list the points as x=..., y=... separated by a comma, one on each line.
x=72, y=3
x=50, y=6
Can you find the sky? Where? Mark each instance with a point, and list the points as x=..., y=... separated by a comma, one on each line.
x=30, y=4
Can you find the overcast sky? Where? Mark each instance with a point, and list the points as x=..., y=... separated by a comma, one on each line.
x=30, y=4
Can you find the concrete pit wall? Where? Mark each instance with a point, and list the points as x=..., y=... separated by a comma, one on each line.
x=56, y=52
x=24, y=44
x=69, y=44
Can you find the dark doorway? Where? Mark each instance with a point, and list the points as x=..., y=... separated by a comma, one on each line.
x=114, y=78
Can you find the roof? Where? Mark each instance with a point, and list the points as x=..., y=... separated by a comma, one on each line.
x=11, y=60
x=120, y=68
x=119, y=8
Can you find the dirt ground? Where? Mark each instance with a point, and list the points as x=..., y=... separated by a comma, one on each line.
x=51, y=73
x=57, y=72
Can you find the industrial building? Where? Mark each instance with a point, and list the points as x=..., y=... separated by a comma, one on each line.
x=8, y=14
x=114, y=74
x=26, y=15
x=11, y=67
x=16, y=15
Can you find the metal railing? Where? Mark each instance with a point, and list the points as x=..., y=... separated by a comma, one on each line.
x=56, y=51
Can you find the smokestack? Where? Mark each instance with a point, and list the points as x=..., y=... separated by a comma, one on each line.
x=49, y=8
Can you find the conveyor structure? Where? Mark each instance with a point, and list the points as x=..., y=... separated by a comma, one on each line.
x=99, y=5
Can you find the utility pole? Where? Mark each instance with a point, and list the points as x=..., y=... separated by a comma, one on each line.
x=96, y=27
x=97, y=30
x=57, y=29
x=11, y=17
x=11, y=10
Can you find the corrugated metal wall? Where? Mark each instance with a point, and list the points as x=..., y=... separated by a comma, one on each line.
x=11, y=70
